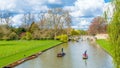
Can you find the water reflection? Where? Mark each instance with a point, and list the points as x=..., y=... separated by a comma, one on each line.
x=85, y=62
x=73, y=58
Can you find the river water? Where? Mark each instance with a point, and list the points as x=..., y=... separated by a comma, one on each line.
x=97, y=57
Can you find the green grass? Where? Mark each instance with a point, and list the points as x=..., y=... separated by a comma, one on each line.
x=105, y=44
x=11, y=51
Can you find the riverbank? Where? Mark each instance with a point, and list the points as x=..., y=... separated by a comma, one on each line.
x=11, y=51
x=105, y=45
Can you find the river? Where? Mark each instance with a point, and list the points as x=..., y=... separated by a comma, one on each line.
x=97, y=57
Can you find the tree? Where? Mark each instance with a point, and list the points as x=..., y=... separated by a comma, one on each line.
x=57, y=21
x=5, y=31
x=1, y=33
x=20, y=30
x=34, y=26
x=98, y=25
x=63, y=38
x=27, y=20
x=60, y=20
x=34, y=30
x=13, y=36
x=53, y=23
x=83, y=32
x=114, y=32
x=75, y=32
x=28, y=36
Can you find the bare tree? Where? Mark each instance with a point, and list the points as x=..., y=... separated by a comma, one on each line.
x=27, y=20
x=55, y=22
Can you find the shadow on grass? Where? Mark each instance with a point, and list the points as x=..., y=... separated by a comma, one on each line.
x=7, y=44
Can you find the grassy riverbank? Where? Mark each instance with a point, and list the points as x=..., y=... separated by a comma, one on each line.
x=105, y=45
x=10, y=51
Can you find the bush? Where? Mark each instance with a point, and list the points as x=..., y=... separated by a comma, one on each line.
x=63, y=38
x=13, y=36
x=5, y=37
x=23, y=38
x=27, y=36
x=1, y=35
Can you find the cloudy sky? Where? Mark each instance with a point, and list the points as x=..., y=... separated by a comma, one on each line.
x=81, y=11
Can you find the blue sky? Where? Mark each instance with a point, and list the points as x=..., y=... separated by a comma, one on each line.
x=107, y=1
x=81, y=11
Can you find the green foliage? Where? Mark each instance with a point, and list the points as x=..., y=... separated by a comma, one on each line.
x=20, y=30
x=46, y=27
x=4, y=32
x=33, y=27
x=1, y=35
x=27, y=36
x=82, y=32
x=63, y=38
x=13, y=36
x=36, y=35
x=78, y=32
x=75, y=32
x=23, y=38
x=114, y=32
x=5, y=37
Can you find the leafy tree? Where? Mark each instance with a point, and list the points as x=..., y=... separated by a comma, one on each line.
x=36, y=34
x=98, y=25
x=83, y=32
x=53, y=23
x=33, y=27
x=75, y=32
x=27, y=36
x=13, y=36
x=1, y=33
x=20, y=30
x=5, y=31
x=63, y=38
x=114, y=32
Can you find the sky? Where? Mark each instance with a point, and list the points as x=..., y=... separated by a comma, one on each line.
x=81, y=11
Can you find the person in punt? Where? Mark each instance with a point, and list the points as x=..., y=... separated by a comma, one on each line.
x=61, y=54
x=85, y=56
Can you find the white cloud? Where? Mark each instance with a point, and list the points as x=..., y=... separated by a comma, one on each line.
x=55, y=1
x=84, y=22
x=84, y=11
x=81, y=23
x=23, y=6
x=7, y=4
x=86, y=8
x=17, y=20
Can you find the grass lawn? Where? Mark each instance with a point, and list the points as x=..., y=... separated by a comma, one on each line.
x=10, y=51
x=105, y=45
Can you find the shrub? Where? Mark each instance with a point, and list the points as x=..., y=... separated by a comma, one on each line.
x=5, y=37
x=63, y=38
x=13, y=36
x=27, y=36
x=23, y=38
